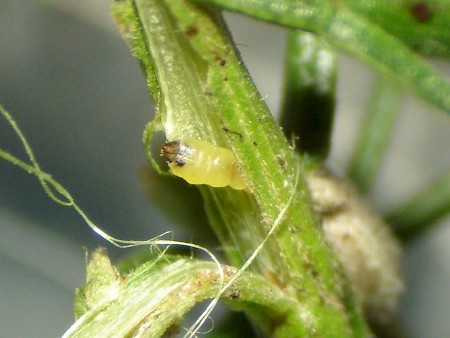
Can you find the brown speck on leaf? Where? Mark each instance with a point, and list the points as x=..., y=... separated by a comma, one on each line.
x=421, y=12
x=221, y=61
x=191, y=31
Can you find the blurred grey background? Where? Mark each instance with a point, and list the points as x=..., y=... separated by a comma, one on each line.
x=71, y=84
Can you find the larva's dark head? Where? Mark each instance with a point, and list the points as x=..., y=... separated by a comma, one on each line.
x=170, y=150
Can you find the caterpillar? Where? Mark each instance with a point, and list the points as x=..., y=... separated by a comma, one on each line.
x=200, y=162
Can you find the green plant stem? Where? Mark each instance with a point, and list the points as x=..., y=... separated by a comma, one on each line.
x=207, y=94
x=421, y=212
x=309, y=93
x=353, y=33
x=375, y=133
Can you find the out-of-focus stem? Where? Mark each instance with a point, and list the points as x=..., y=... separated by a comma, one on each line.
x=421, y=212
x=309, y=93
x=375, y=133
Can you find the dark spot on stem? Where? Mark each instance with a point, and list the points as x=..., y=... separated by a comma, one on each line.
x=225, y=129
x=191, y=31
x=235, y=294
x=281, y=161
x=421, y=12
x=219, y=60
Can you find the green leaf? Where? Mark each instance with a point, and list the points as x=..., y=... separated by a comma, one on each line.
x=353, y=33
x=422, y=25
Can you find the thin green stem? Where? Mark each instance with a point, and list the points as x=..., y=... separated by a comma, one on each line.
x=421, y=212
x=309, y=93
x=375, y=133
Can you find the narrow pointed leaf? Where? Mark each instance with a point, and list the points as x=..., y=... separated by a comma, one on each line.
x=353, y=33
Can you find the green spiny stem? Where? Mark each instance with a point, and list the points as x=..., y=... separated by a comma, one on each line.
x=207, y=94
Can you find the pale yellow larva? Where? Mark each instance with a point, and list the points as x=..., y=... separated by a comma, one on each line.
x=200, y=162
